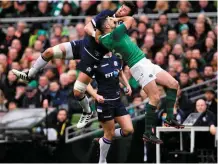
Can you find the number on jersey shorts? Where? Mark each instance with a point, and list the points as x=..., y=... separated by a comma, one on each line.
x=145, y=71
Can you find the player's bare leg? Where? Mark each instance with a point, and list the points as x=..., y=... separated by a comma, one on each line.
x=61, y=51
x=165, y=79
x=150, y=117
x=79, y=92
x=126, y=127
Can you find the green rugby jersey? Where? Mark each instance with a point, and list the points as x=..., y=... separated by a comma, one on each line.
x=120, y=44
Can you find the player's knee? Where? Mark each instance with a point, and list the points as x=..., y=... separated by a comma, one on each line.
x=109, y=134
x=155, y=98
x=57, y=52
x=128, y=131
x=79, y=89
x=48, y=53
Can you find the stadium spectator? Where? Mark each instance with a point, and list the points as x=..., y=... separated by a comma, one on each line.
x=161, y=7
x=137, y=106
x=43, y=88
x=16, y=43
x=142, y=8
x=205, y=6
x=208, y=72
x=64, y=88
x=184, y=104
x=12, y=106
x=184, y=80
x=20, y=94
x=184, y=19
x=163, y=20
x=172, y=38
x=214, y=62
x=57, y=31
x=38, y=46
x=9, y=86
x=142, y=29
x=6, y=42
x=7, y=9
x=184, y=6
x=20, y=34
x=148, y=44
x=159, y=60
x=31, y=98
x=12, y=55
x=210, y=49
x=42, y=9
x=191, y=43
x=159, y=36
x=80, y=31
x=210, y=97
x=42, y=36
x=21, y=9
x=207, y=119
x=55, y=96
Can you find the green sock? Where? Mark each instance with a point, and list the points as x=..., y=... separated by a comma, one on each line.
x=171, y=99
x=150, y=118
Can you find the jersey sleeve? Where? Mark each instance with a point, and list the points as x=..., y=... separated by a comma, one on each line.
x=119, y=31
x=120, y=64
x=100, y=15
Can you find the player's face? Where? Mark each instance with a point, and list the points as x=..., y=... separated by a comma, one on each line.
x=123, y=11
x=111, y=23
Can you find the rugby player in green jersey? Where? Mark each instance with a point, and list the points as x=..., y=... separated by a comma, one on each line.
x=143, y=70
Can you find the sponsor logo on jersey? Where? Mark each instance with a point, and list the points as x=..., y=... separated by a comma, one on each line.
x=107, y=116
x=88, y=69
x=150, y=75
x=115, y=63
x=108, y=75
x=99, y=110
x=104, y=65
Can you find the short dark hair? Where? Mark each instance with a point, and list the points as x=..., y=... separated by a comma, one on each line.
x=100, y=24
x=131, y=5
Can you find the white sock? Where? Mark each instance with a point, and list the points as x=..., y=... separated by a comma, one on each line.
x=118, y=132
x=85, y=104
x=104, y=147
x=39, y=64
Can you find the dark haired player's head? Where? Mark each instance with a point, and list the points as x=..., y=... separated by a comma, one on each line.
x=128, y=8
x=105, y=24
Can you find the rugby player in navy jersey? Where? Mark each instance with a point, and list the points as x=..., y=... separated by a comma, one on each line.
x=87, y=50
x=109, y=107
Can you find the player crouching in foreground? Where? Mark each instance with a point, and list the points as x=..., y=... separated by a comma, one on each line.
x=109, y=106
x=146, y=73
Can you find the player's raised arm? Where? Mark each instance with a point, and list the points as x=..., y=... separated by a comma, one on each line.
x=127, y=21
x=89, y=29
x=91, y=26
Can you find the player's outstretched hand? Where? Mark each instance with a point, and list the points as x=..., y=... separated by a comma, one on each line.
x=129, y=90
x=100, y=99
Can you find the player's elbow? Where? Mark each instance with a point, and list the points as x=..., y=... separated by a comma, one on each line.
x=88, y=28
x=131, y=19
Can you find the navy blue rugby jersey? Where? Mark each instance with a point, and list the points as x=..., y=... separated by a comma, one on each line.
x=107, y=77
x=90, y=45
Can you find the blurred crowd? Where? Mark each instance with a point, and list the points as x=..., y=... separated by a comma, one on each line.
x=187, y=49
